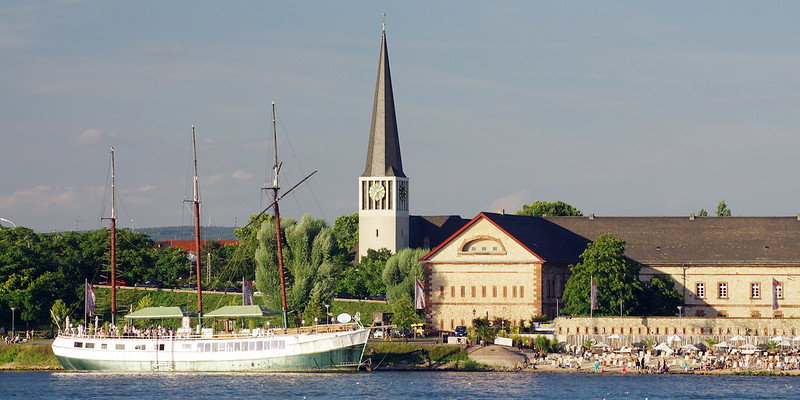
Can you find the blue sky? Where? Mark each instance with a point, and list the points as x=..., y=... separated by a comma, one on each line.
x=616, y=107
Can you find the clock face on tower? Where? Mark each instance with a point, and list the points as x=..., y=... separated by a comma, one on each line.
x=377, y=191
x=403, y=191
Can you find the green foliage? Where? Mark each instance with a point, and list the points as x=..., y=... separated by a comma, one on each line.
x=365, y=279
x=702, y=213
x=723, y=210
x=540, y=208
x=541, y=344
x=661, y=298
x=144, y=302
x=614, y=275
x=59, y=313
x=404, y=312
x=401, y=270
x=483, y=328
x=650, y=343
x=34, y=356
x=345, y=228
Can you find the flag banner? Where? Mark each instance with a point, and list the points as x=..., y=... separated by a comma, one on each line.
x=593, y=293
x=247, y=293
x=90, y=299
x=775, y=287
x=419, y=294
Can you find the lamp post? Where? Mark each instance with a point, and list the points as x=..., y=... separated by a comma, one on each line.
x=503, y=320
x=473, y=316
x=327, y=314
x=12, y=322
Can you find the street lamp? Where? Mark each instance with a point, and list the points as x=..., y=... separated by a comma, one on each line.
x=473, y=316
x=327, y=313
x=5, y=220
x=12, y=323
x=503, y=320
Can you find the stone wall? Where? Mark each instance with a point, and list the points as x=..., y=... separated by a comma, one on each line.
x=576, y=330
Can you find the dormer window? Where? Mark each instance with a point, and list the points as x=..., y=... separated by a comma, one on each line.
x=483, y=245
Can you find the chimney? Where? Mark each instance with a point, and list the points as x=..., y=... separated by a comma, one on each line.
x=591, y=215
x=503, y=211
x=691, y=217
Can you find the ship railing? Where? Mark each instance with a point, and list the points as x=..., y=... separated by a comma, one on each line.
x=261, y=333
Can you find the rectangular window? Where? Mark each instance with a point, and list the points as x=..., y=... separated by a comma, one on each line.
x=513, y=290
x=755, y=290
x=722, y=292
x=701, y=290
x=463, y=290
x=473, y=290
x=441, y=289
x=494, y=291
x=483, y=290
x=505, y=290
x=452, y=290
x=522, y=291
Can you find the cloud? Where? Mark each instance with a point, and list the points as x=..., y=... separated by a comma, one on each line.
x=510, y=203
x=89, y=136
x=147, y=188
x=45, y=198
x=242, y=176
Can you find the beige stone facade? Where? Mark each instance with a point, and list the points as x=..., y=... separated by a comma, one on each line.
x=482, y=272
x=742, y=291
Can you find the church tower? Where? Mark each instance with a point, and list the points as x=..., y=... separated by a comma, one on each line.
x=383, y=187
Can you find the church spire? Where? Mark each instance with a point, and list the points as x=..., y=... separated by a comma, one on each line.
x=383, y=153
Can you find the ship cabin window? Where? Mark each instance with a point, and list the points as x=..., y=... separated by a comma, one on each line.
x=78, y=345
x=161, y=346
x=89, y=345
x=260, y=344
x=103, y=346
x=119, y=347
x=141, y=347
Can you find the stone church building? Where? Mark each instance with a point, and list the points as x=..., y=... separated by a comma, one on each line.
x=516, y=267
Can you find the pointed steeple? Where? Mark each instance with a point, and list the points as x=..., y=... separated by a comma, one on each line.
x=383, y=153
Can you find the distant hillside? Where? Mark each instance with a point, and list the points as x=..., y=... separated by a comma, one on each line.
x=187, y=232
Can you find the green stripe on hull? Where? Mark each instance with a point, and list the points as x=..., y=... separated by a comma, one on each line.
x=346, y=358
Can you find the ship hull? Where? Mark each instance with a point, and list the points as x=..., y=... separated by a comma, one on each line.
x=285, y=353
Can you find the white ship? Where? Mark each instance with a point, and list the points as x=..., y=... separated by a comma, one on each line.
x=338, y=346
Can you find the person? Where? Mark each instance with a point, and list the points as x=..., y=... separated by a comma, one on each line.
x=596, y=366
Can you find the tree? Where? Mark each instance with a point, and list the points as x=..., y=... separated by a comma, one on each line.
x=661, y=298
x=559, y=208
x=616, y=278
x=400, y=271
x=365, y=279
x=403, y=312
x=309, y=272
x=722, y=209
x=345, y=228
x=702, y=213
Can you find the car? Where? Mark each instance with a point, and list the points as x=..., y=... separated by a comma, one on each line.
x=461, y=330
x=404, y=332
x=418, y=330
x=377, y=333
x=119, y=281
x=152, y=284
x=230, y=289
x=379, y=297
x=342, y=295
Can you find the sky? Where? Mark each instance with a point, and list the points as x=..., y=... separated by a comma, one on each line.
x=619, y=108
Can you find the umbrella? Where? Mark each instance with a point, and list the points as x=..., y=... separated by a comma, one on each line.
x=663, y=347
x=602, y=345
x=624, y=349
x=737, y=338
x=689, y=347
x=778, y=339
x=796, y=338
x=614, y=336
x=674, y=338
x=722, y=344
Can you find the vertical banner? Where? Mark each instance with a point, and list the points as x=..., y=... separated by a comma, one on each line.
x=419, y=295
x=775, y=286
x=593, y=293
x=90, y=299
x=247, y=293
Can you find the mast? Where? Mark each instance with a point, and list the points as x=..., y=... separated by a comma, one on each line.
x=113, y=245
x=275, y=187
x=196, y=202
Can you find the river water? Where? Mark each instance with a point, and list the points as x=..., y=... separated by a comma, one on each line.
x=395, y=385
